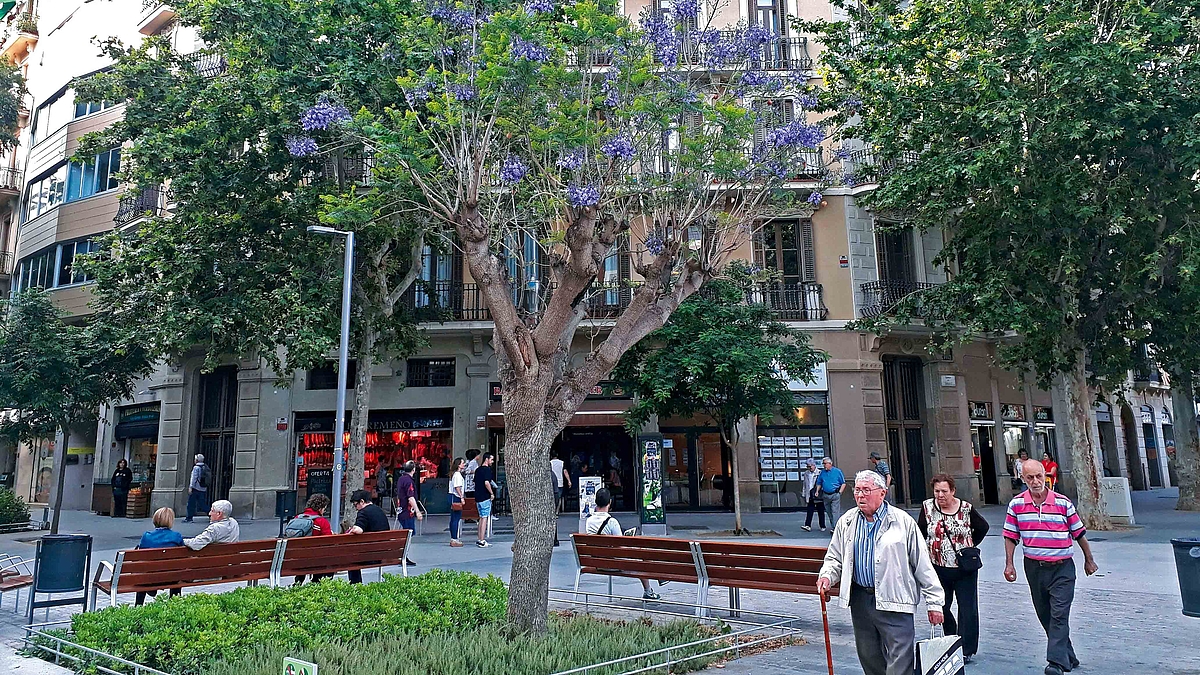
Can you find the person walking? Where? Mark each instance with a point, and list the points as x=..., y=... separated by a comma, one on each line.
x=406, y=500
x=319, y=526
x=560, y=477
x=382, y=483
x=122, y=479
x=831, y=483
x=198, y=489
x=880, y=466
x=951, y=525
x=1045, y=523
x=1022, y=457
x=1051, y=468
x=222, y=528
x=812, y=495
x=370, y=518
x=162, y=536
x=485, y=491
x=882, y=569
x=458, y=496
x=601, y=522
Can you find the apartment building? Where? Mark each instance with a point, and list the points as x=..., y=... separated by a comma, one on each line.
x=952, y=412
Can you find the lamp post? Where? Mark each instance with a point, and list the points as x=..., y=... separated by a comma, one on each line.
x=339, y=425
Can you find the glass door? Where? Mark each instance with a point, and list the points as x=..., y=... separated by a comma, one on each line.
x=677, y=479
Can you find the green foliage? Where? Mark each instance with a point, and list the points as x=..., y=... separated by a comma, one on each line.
x=13, y=509
x=192, y=635
x=12, y=94
x=571, y=641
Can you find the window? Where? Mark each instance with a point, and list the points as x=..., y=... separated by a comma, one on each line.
x=98, y=174
x=35, y=271
x=896, y=259
x=523, y=259
x=325, y=377
x=46, y=192
x=786, y=247
x=67, y=274
x=439, y=272
x=431, y=372
x=770, y=114
x=53, y=115
x=88, y=107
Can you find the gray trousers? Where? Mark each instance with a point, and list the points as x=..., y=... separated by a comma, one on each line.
x=1052, y=588
x=884, y=639
x=833, y=506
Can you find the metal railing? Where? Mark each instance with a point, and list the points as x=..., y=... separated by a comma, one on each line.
x=11, y=179
x=149, y=202
x=38, y=639
x=881, y=297
x=783, y=53
x=803, y=301
x=6, y=262
x=865, y=160
x=1147, y=374
x=208, y=64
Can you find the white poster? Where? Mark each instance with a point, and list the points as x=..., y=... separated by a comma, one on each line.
x=793, y=475
x=588, y=485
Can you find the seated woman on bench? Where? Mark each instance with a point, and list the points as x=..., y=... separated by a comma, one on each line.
x=601, y=522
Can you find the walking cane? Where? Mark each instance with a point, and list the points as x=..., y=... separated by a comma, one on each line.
x=825, y=620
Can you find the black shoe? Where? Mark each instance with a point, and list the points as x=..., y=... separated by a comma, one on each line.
x=1053, y=668
x=968, y=658
x=1074, y=664
x=410, y=563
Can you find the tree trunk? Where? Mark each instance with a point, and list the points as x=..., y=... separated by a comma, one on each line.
x=731, y=440
x=1187, y=446
x=60, y=465
x=1078, y=434
x=356, y=453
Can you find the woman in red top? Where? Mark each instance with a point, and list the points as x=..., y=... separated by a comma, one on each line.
x=1051, y=467
x=314, y=509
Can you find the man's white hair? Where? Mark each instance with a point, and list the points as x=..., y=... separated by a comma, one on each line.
x=199, y=458
x=223, y=507
x=869, y=475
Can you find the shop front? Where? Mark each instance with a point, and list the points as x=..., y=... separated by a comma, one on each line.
x=697, y=474
x=983, y=446
x=1016, y=438
x=785, y=447
x=393, y=438
x=135, y=439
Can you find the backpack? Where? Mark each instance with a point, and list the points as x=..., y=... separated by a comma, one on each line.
x=300, y=526
x=205, y=476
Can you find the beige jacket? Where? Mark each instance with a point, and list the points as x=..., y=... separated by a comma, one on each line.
x=221, y=532
x=903, y=571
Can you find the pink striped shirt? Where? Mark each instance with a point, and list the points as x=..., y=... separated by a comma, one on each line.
x=1045, y=533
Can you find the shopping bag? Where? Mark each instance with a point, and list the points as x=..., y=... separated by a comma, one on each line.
x=941, y=654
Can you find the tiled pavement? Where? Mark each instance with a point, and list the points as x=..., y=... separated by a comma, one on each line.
x=1126, y=619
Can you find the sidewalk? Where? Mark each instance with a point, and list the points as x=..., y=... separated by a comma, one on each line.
x=1126, y=619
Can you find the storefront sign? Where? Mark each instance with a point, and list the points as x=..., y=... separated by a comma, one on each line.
x=817, y=380
x=1043, y=414
x=320, y=481
x=588, y=485
x=137, y=421
x=981, y=410
x=281, y=424
x=606, y=390
x=382, y=420
x=651, y=475
x=1147, y=414
x=297, y=667
x=1011, y=412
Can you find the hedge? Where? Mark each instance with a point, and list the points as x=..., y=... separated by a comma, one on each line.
x=13, y=509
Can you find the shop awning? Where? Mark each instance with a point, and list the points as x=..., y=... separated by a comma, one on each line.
x=136, y=430
x=590, y=414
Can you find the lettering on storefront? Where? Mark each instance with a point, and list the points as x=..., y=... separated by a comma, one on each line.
x=384, y=420
x=980, y=410
x=1043, y=414
x=1012, y=412
x=606, y=390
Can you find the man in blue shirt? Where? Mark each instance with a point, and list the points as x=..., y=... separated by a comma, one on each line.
x=832, y=483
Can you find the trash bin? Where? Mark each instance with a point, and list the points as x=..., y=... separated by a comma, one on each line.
x=1187, y=565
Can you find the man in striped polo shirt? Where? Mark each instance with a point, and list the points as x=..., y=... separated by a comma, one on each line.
x=1046, y=523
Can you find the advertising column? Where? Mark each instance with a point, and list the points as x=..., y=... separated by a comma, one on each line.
x=653, y=517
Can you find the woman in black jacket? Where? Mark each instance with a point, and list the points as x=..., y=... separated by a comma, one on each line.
x=122, y=479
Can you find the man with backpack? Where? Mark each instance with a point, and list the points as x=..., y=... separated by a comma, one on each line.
x=198, y=489
x=311, y=523
x=601, y=522
x=406, y=499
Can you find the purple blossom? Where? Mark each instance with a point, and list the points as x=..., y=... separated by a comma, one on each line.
x=324, y=115
x=797, y=133
x=815, y=198
x=849, y=179
x=513, y=170
x=808, y=101
x=529, y=51
x=457, y=19
x=301, y=146
x=685, y=8
x=421, y=92
x=571, y=160
x=776, y=169
x=659, y=32
x=612, y=97
x=583, y=195
x=707, y=37
x=842, y=154
x=539, y=6
x=655, y=244
x=755, y=78
x=462, y=92
x=444, y=52
x=757, y=35
x=853, y=103
x=619, y=147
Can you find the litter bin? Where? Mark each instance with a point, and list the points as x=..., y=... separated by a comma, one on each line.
x=1187, y=564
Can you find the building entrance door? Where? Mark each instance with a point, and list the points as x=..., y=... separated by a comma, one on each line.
x=698, y=470
x=982, y=437
x=902, y=395
x=218, y=427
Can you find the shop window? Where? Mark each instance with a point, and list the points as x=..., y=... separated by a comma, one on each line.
x=430, y=372
x=67, y=272
x=46, y=192
x=326, y=376
x=93, y=176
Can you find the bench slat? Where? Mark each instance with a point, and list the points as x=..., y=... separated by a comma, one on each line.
x=210, y=562
x=682, y=557
x=714, y=562
x=763, y=550
x=261, y=570
x=731, y=576
x=687, y=578
x=609, y=541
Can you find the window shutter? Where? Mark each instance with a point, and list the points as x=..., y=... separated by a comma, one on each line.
x=881, y=255
x=808, y=259
x=788, y=110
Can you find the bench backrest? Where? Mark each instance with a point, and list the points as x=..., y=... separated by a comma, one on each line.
x=340, y=552
x=642, y=557
x=157, y=568
x=768, y=567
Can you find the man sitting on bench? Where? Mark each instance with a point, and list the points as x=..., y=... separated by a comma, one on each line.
x=601, y=522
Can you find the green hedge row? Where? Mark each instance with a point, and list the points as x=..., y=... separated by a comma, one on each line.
x=191, y=634
x=13, y=509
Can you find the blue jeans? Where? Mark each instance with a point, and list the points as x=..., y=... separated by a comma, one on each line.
x=197, y=503
x=455, y=519
x=409, y=524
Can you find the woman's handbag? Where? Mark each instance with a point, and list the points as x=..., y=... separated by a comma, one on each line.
x=456, y=505
x=968, y=558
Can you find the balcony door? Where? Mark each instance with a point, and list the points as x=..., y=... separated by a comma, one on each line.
x=785, y=246
x=438, y=284
x=897, y=259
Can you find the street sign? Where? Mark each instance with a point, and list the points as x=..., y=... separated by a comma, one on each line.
x=298, y=667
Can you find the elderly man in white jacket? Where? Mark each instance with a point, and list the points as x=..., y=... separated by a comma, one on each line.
x=882, y=566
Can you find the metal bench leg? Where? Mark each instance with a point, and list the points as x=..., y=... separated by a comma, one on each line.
x=735, y=603
x=577, y=575
x=610, y=588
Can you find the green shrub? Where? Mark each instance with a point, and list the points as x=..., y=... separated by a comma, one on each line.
x=572, y=641
x=188, y=635
x=13, y=509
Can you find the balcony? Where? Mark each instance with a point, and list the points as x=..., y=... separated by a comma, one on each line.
x=156, y=16
x=793, y=302
x=882, y=297
x=11, y=181
x=864, y=161
x=21, y=42
x=1148, y=376
x=784, y=53
x=6, y=263
x=207, y=64
x=148, y=203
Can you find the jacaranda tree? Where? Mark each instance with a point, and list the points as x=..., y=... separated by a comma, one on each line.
x=544, y=139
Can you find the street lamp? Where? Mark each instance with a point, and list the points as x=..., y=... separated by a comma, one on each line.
x=339, y=425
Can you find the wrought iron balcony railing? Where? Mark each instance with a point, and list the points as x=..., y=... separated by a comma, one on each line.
x=6, y=263
x=207, y=63
x=148, y=202
x=10, y=180
x=881, y=297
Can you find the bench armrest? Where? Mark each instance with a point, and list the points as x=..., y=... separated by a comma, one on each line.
x=96, y=580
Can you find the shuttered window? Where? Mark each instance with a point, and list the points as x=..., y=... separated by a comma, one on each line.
x=786, y=246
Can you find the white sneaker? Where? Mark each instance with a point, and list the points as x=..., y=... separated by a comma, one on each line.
x=806, y=528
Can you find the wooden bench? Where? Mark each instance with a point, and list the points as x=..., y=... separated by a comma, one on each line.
x=651, y=558
x=157, y=569
x=340, y=552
